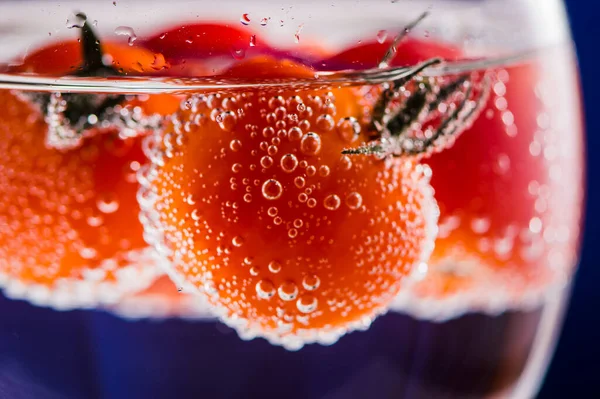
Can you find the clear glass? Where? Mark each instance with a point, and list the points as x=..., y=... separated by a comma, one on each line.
x=135, y=262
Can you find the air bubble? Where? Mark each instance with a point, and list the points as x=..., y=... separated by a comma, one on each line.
x=310, y=144
x=508, y=118
x=88, y=253
x=325, y=122
x=252, y=40
x=292, y=233
x=108, y=203
x=332, y=202
x=195, y=215
x=295, y=134
x=535, y=225
x=324, y=170
x=238, y=54
x=274, y=267
x=302, y=197
x=235, y=145
x=289, y=162
x=306, y=304
x=299, y=182
x=480, y=225
x=502, y=165
x=348, y=129
x=266, y=162
x=288, y=291
x=345, y=162
x=311, y=170
x=265, y=289
x=304, y=124
x=354, y=200
x=272, y=211
x=248, y=197
x=272, y=189
x=236, y=167
x=268, y=132
x=311, y=282
x=277, y=220
x=95, y=220
x=210, y=288
x=298, y=223
x=226, y=120
x=254, y=271
x=311, y=203
x=276, y=101
x=237, y=241
x=190, y=200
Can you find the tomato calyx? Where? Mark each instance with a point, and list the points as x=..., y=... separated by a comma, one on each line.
x=71, y=116
x=416, y=115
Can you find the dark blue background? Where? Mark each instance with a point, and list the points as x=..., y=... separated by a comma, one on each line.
x=576, y=366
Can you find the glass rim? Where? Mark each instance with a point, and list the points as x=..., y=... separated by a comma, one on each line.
x=174, y=85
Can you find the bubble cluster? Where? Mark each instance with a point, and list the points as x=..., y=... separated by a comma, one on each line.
x=69, y=232
x=510, y=201
x=318, y=227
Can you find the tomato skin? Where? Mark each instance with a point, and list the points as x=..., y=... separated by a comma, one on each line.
x=65, y=57
x=203, y=40
x=513, y=184
x=221, y=45
x=409, y=51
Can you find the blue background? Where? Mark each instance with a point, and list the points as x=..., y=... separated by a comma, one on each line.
x=576, y=366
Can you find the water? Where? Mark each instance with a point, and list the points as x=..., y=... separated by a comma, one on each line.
x=88, y=353
x=476, y=319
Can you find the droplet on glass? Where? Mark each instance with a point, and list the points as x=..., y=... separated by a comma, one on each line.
x=245, y=19
x=297, y=34
x=126, y=31
x=76, y=20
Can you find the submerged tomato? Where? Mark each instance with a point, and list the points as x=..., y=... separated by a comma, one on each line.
x=258, y=209
x=69, y=231
x=509, y=189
